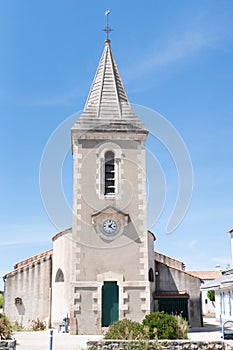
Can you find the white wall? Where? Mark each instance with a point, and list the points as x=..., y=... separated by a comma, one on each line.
x=224, y=304
x=32, y=285
x=208, y=307
x=61, y=290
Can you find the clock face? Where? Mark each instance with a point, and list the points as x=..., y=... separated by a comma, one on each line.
x=109, y=226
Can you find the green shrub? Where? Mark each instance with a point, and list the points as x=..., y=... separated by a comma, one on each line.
x=5, y=327
x=1, y=300
x=125, y=329
x=211, y=295
x=164, y=326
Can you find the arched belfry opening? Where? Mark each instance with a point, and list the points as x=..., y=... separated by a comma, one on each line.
x=109, y=173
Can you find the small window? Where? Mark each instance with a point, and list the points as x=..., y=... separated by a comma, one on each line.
x=151, y=275
x=18, y=301
x=109, y=173
x=59, y=276
x=206, y=301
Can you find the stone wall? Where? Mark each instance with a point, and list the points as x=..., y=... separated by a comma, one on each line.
x=162, y=344
x=28, y=290
x=7, y=344
x=167, y=260
x=172, y=281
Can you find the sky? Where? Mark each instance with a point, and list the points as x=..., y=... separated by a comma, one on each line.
x=175, y=57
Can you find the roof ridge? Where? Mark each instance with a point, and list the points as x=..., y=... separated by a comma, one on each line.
x=115, y=81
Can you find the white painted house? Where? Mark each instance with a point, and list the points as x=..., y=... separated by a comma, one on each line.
x=223, y=287
x=208, y=306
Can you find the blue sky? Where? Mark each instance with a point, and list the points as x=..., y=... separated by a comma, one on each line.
x=174, y=56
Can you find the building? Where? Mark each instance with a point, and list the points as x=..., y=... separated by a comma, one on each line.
x=103, y=268
x=176, y=290
x=223, y=287
x=208, y=306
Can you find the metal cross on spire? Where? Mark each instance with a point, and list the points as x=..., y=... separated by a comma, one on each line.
x=107, y=29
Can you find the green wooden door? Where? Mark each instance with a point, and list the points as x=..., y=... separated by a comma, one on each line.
x=110, y=303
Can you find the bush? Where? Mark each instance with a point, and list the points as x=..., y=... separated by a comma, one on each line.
x=1, y=300
x=17, y=327
x=5, y=327
x=181, y=328
x=125, y=329
x=37, y=325
x=157, y=325
x=211, y=295
x=164, y=326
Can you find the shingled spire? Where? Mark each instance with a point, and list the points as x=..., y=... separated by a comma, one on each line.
x=107, y=98
x=107, y=102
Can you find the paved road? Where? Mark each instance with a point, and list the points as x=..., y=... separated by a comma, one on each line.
x=62, y=341
x=210, y=331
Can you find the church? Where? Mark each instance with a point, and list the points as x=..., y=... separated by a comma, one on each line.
x=104, y=267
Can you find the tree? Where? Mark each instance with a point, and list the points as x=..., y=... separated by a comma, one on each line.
x=1, y=299
x=211, y=295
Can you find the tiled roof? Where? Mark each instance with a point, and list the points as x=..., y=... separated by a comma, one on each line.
x=33, y=259
x=169, y=261
x=206, y=275
x=30, y=261
x=59, y=234
x=225, y=281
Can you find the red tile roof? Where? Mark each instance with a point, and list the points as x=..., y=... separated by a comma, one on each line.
x=30, y=261
x=206, y=275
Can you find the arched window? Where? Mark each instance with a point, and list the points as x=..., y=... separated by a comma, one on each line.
x=18, y=301
x=59, y=276
x=151, y=275
x=109, y=173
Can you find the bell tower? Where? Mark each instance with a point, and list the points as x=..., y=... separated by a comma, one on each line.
x=110, y=243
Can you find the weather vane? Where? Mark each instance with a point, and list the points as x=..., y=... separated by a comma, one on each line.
x=107, y=29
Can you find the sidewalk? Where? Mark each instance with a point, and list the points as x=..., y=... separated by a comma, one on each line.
x=210, y=331
x=61, y=341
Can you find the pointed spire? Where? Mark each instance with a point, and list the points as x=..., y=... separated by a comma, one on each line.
x=107, y=102
x=107, y=97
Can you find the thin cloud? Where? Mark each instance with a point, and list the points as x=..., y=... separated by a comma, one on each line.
x=176, y=50
x=202, y=36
